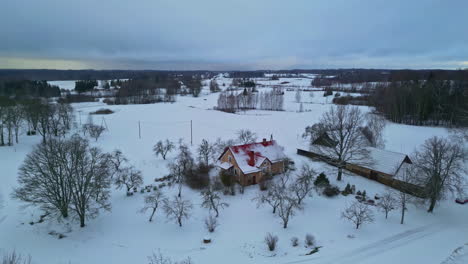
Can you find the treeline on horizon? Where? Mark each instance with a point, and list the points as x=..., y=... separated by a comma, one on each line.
x=339, y=75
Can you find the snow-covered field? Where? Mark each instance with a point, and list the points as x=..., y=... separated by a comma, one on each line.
x=124, y=235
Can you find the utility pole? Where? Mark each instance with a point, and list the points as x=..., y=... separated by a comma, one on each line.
x=191, y=134
x=139, y=130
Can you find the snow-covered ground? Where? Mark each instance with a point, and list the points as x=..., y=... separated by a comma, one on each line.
x=124, y=235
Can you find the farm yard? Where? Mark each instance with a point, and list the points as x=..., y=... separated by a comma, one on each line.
x=124, y=234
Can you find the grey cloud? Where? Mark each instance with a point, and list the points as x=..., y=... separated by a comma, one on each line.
x=237, y=34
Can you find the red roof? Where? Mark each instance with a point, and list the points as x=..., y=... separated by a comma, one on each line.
x=253, y=154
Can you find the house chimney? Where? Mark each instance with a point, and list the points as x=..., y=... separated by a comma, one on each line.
x=251, y=160
x=264, y=140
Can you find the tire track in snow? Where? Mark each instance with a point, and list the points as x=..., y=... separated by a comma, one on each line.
x=378, y=247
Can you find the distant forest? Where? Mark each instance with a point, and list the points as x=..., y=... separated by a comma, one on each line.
x=26, y=89
x=417, y=97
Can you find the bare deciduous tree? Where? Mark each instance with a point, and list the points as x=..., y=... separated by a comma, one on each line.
x=177, y=209
x=343, y=140
x=298, y=95
x=129, y=177
x=66, y=175
x=181, y=167
x=387, y=203
x=245, y=136
x=163, y=148
x=408, y=174
x=117, y=160
x=152, y=202
x=440, y=165
x=43, y=178
x=358, y=213
x=90, y=181
x=205, y=152
x=212, y=201
x=303, y=184
x=287, y=207
x=95, y=131
x=214, y=87
x=269, y=197
x=374, y=128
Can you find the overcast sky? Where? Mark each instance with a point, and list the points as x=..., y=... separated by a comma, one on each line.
x=233, y=34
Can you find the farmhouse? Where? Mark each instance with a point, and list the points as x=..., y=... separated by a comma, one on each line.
x=251, y=163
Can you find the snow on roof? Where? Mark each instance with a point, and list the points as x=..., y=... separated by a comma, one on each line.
x=250, y=157
x=385, y=161
x=378, y=159
x=223, y=165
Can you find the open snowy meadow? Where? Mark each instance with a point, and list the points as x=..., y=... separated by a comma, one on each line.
x=124, y=234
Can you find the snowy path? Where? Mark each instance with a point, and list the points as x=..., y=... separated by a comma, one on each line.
x=379, y=247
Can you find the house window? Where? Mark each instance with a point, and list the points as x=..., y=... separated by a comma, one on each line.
x=235, y=171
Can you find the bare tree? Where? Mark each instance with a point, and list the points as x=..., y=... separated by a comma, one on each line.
x=16, y=119
x=214, y=87
x=163, y=148
x=270, y=197
x=205, y=151
x=374, y=128
x=408, y=174
x=298, y=95
x=358, y=213
x=90, y=181
x=341, y=136
x=287, y=207
x=129, y=177
x=95, y=131
x=303, y=184
x=43, y=178
x=387, y=203
x=152, y=202
x=440, y=165
x=118, y=160
x=212, y=201
x=177, y=209
x=211, y=223
x=63, y=175
x=245, y=136
x=181, y=167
